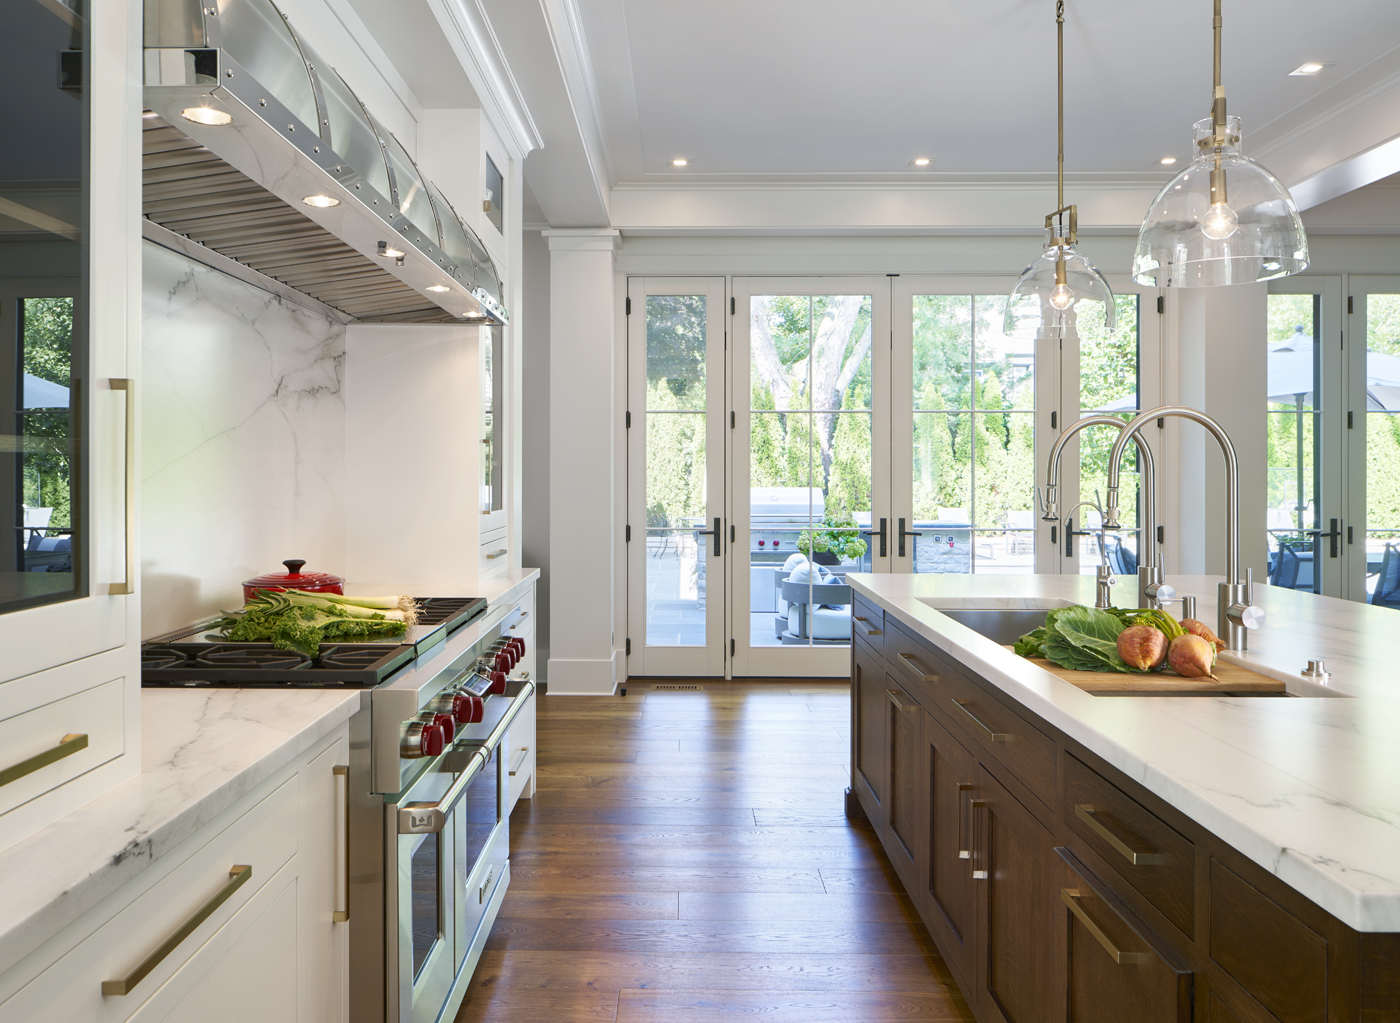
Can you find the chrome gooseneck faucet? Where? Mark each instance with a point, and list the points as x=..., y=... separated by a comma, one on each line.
x=1152, y=589
x=1236, y=612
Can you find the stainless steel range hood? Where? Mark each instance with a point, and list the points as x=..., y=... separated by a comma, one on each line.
x=258, y=150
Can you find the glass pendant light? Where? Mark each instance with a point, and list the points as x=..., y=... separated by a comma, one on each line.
x=1222, y=220
x=1061, y=286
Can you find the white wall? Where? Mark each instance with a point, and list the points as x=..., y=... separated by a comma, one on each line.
x=243, y=447
x=535, y=428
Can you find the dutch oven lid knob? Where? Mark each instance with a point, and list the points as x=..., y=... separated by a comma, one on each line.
x=294, y=566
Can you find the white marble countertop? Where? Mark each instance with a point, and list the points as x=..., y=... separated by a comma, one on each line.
x=201, y=752
x=509, y=585
x=1307, y=788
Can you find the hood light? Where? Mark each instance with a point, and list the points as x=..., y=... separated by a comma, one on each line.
x=321, y=201
x=438, y=288
x=388, y=253
x=206, y=115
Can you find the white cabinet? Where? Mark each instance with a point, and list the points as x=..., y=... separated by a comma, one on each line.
x=69, y=309
x=519, y=745
x=236, y=924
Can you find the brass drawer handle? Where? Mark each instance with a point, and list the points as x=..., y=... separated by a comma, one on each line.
x=1070, y=897
x=894, y=695
x=128, y=585
x=991, y=735
x=963, y=854
x=342, y=865
x=976, y=804
x=67, y=746
x=238, y=875
x=1089, y=816
x=923, y=675
x=499, y=554
x=868, y=632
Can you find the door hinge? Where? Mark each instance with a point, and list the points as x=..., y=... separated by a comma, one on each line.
x=731, y=305
x=629, y=534
x=1052, y=535
x=1161, y=534
x=1350, y=307
x=1349, y=529
x=731, y=420
x=1161, y=304
x=629, y=420
x=629, y=305
x=731, y=648
x=627, y=647
x=1161, y=422
x=1349, y=420
x=731, y=534
x=1054, y=418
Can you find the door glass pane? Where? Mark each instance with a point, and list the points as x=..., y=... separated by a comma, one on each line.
x=1108, y=385
x=1293, y=409
x=43, y=339
x=675, y=471
x=1382, y=446
x=973, y=435
x=810, y=465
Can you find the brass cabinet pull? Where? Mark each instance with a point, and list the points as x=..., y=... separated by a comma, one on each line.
x=917, y=670
x=1090, y=817
x=1070, y=897
x=894, y=695
x=524, y=752
x=342, y=810
x=976, y=804
x=238, y=876
x=129, y=585
x=67, y=746
x=868, y=632
x=499, y=554
x=963, y=854
x=991, y=735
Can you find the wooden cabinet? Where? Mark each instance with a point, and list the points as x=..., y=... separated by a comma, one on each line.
x=237, y=923
x=906, y=795
x=950, y=891
x=1016, y=942
x=868, y=703
x=1112, y=970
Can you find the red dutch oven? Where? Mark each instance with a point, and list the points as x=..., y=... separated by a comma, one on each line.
x=293, y=579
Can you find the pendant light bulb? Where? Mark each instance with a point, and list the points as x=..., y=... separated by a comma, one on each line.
x=1062, y=297
x=1219, y=222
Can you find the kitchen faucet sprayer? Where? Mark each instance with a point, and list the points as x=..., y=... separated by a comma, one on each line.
x=1235, y=611
x=1152, y=587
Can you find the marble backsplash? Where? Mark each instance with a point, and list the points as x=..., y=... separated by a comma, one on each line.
x=243, y=439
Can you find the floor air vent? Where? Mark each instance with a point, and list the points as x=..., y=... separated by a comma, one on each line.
x=688, y=689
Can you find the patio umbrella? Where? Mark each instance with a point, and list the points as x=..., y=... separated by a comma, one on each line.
x=41, y=393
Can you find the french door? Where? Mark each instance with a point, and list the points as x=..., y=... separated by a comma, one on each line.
x=786, y=432
x=1372, y=432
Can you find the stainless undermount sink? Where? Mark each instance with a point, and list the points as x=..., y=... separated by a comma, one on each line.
x=1002, y=625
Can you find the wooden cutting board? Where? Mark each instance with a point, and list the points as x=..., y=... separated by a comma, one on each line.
x=1232, y=679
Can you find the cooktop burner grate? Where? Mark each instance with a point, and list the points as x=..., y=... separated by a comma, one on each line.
x=436, y=610
x=153, y=659
x=263, y=658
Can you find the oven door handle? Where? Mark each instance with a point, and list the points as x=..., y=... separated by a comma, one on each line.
x=426, y=818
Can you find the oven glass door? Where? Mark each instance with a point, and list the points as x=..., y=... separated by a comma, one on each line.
x=478, y=820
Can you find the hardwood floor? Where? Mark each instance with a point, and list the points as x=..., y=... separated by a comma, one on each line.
x=686, y=859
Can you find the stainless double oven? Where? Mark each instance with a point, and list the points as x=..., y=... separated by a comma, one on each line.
x=429, y=824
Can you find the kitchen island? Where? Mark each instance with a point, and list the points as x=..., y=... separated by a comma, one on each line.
x=1241, y=854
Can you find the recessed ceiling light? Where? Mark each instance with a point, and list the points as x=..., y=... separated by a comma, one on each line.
x=1167, y=161
x=388, y=252
x=206, y=115
x=321, y=201
x=438, y=288
x=679, y=161
x=1312, y=67
x=921, y=161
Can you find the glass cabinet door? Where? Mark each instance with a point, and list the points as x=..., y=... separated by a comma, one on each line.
x=65, y=560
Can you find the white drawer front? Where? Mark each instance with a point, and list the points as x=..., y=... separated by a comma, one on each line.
x=519, y=747
x=265, y=838
x=93, y=722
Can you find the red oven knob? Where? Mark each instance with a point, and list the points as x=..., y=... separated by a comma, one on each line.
x=519, y=642
x=475, y=708
x=502, y=662
x=448, y=726
x=498, y=683
x=422, y=739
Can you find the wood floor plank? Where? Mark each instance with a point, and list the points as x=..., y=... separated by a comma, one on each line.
x=652, y=1006
x=687, y=858
x=755, y=937
x=807, y=971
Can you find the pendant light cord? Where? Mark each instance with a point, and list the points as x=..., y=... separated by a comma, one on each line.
x=1217, y=116
x=1060, y=43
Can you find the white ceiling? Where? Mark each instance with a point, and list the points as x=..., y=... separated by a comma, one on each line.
x=760, y=90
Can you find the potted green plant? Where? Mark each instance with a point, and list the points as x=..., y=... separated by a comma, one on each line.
x=834, y=541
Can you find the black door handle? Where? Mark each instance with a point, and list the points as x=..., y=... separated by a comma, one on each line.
x=903, y=533
x=712, y=532
x=881, y=534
